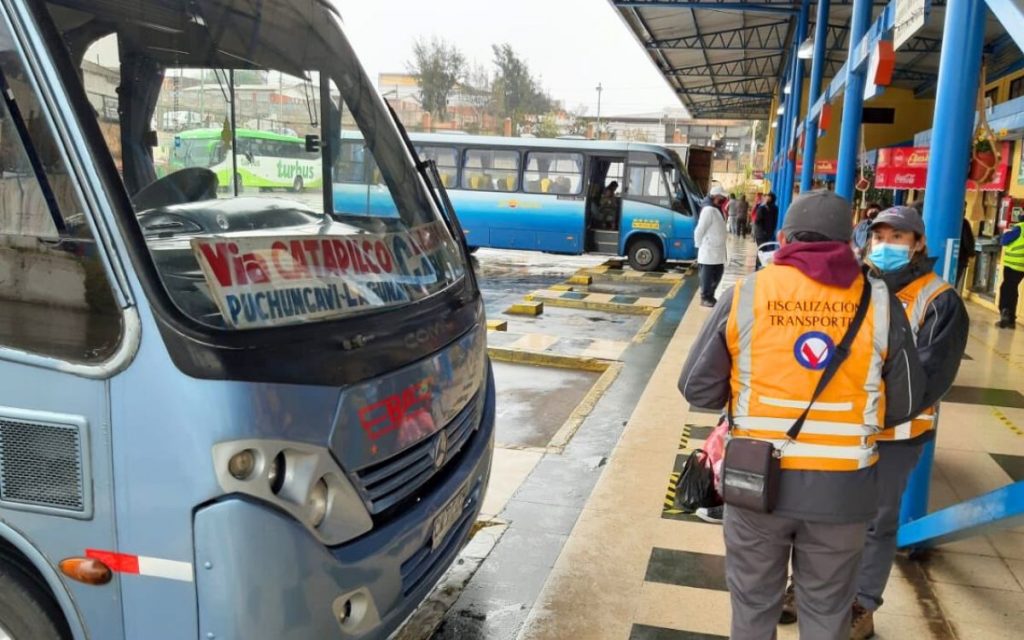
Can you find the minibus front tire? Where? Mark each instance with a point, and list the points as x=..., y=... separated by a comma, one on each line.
x=645, y=254
x=27, y=611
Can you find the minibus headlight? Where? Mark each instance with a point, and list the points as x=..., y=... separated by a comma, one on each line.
x=242, y=464
x=300, y=479
x=317, y=502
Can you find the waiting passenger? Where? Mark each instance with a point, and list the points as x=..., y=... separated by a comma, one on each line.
x=608, y=208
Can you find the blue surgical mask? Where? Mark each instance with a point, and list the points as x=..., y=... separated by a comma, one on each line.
x=889, y=257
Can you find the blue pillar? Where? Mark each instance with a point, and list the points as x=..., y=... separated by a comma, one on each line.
x=814, y=91
x=853, y=106
x=952, y=131
x=797, y=96
x=788, y=122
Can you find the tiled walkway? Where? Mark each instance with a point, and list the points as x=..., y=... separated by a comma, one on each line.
x=632, y=569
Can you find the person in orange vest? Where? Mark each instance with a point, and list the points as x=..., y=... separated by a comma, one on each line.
x=761, y=354
x=897, y=253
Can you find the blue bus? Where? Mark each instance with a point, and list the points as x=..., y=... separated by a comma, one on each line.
x=224, y=413
x=550, y=195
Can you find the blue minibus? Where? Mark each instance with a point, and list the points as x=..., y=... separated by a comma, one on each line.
x=554, y=195
x=224, y=412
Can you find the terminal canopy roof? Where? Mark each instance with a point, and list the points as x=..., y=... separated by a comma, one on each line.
x=726, y=58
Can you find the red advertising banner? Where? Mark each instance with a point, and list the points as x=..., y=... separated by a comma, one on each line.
x=825, y=166
x=907, y=168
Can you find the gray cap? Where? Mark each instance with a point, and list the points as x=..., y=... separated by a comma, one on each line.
x=821, y=212
x=902, y=218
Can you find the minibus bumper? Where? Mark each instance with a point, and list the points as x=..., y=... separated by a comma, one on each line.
x=261, y=574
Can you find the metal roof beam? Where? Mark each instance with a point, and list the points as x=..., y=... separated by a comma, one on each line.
x=768, y=36
x=719, y=5
x=766, y=65
x=748, y=85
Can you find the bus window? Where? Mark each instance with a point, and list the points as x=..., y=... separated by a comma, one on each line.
x=647, y=181
x=55, y=299
x=490, y=170
x=447, y=160
x=560, y=173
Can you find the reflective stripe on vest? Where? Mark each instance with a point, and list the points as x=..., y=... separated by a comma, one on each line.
x=1013, y=253
x=916, y=298
x=782, y=329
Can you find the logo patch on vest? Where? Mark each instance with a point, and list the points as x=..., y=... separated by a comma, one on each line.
x=813, y=350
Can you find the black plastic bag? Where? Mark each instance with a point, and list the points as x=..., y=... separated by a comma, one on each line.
x=696, y=485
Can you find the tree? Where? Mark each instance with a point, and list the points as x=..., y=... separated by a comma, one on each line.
x=439, y=67
x=516, y=91
x=547, y=127
x=577, y=123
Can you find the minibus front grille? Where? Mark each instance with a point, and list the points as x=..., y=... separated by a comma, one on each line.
x=388, y=482
x=422, y=563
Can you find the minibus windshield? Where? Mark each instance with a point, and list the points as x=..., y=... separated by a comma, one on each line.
x=227, y=135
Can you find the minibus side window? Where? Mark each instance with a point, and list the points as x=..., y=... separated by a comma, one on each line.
x=55, y=299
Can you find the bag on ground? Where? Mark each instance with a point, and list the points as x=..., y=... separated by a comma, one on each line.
x=695, y=488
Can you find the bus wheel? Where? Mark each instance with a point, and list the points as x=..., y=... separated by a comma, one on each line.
x=26, y=610
x=297, y=184
x=644, y=254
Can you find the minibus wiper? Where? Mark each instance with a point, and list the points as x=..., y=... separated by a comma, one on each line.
x=432, y=177
x=33, y=155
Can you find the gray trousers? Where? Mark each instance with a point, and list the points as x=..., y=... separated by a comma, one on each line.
x=825, y=561
x=895, y=462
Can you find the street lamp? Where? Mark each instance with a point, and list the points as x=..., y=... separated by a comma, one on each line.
x=599, y=89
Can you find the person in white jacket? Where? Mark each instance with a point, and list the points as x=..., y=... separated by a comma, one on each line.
x=710, y=237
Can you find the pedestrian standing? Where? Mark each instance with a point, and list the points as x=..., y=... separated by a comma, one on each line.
x=766, y=218
x=762, y=354
x=742, y=213
x=710, y=238
x=734, y=213
x=898, y=254
x=1013, y=272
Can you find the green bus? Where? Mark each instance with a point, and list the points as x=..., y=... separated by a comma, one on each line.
x=266, y=160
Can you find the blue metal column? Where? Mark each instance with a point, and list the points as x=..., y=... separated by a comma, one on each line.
x=797, y=94
x=785, y=192
x=787, y=119
x=853, y=105
x=817, y=73
x=952, y=131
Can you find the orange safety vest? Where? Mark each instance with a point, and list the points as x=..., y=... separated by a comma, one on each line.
x=916, y=298
x=782, y=330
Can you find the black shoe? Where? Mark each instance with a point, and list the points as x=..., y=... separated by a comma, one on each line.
x=708, y=303
x=714, y=515
x=788, y=615
x=1006, y=319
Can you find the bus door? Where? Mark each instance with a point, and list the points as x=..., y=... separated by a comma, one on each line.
x=63, y=335
x=605, y=187
x=553, y=202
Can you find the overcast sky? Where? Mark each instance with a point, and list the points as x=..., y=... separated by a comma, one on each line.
x=570, y=44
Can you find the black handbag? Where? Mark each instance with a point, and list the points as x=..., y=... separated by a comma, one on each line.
x=752, y=468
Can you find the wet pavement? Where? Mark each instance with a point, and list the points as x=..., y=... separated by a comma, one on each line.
x=534, y=402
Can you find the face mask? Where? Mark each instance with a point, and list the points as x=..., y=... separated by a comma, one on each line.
x=889, y=257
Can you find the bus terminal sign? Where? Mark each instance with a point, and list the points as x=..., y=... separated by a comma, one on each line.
x=262, y=281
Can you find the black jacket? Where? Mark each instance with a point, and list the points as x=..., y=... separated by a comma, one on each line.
x=765, y=221
x=942, y=338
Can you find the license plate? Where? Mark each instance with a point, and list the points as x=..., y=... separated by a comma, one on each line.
x=449, y=515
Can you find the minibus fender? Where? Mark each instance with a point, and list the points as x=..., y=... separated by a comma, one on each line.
x=49, y=576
